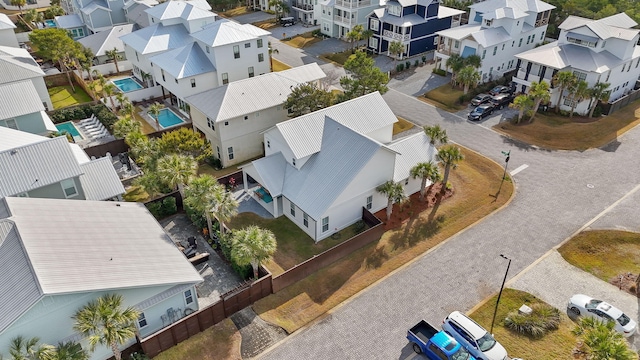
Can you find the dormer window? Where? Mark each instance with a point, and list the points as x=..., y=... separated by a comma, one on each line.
x=395, y=10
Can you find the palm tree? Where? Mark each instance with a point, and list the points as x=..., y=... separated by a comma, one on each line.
x=539, y=92
x=28, y=349
x=469, y=77
x=425, y=171
x=70, y=350
x=122, y=98
x=522, y=103
x=602, y=341
x=598, y=93
x=109, y=90
x=355, y=35
x=394, y=193
x=199, y=196
x=252, y=245
x=366, y=34
x=87, y=61
x=473, y=60
x=578, y=92
x=127, y=108
x=225, y=206
x=563, y=79
x=31, y=17
x=177, y=171
x=154, y=110
x=455, y=62
x=436, y=134
x=103, y=321
x=125, y=126
x=113, y=55
x=449, y=156
x=279, y=6
x=19, y=4
x=396, y=49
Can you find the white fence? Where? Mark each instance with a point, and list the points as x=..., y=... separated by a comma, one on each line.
x=137, y=95
x=110, y=68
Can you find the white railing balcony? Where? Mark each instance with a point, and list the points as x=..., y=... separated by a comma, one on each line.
x=353, y=4
x=533, y=77
x=344, y=20
x=302, y=6
x=395, y=36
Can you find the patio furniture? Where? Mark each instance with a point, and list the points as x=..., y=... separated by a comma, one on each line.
x=199, y=258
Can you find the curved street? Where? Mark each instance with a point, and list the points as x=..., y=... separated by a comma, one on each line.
x=557, y=193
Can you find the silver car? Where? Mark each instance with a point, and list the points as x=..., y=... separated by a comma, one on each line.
x=587, y=306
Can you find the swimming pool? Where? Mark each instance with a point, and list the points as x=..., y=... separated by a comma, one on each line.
x=168, y=118
x=71, y=129
x=264, y=195
x=50, y=23
x=127, y=84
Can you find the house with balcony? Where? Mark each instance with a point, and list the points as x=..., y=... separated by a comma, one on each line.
x=104, y=41
x=604, y=50
x=59, y=255
x=88, y=17
x=497, y=31
x=338, y=17
x=305, y=11
x=16, y=65
x=234, y=131
x=414, y=23
x=322, y=169
x=7, y=32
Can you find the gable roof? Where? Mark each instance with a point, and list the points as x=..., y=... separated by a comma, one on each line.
x=411, y=150
x=6, y=23
x=104, y=41
x=179, y=9
x=615, y=26
x=157, y=38
x=253, y=94
x=100, y=180
x=535, y=6
x=460, y=32
x=272, y=170
x=69, y=21
x=224, y=32
x=17, y=64
x=100, y=246
x=506, y=12
x=364, y=114
x=19, y=98
x=95, y=5
x=574, y=56
x=185, y=61
x=138, y=14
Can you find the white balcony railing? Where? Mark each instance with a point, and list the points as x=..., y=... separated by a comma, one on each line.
x=395, y=36
x=353, y=4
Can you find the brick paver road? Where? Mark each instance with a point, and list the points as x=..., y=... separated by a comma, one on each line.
x=556, y=194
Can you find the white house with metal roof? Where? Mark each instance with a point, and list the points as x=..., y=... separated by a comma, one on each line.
x=17, y=64
x=104, y=41
x=497, y=31
x=233, y=116
x=74, y=24
x=134, y=11
x=323, y=168
x=41, y=167
x=57, y=255
x=7, y=32
x=604, y=50
x=338, y=17
x=21, y=109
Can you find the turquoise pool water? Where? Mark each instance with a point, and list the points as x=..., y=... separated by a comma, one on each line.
x=127, y=84
x=265, y=196
x=50, y=23
x=168, y=118
x=70, y=128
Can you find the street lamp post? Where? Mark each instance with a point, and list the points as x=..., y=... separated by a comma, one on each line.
x=500, y=293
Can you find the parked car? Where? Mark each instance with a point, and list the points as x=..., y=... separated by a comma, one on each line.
x=587, y=306
x=474, y=337
x=481, y=112
x=500, y=89
x=501, y=100
x=287, y=21
x=436, y=345
x=480, y=99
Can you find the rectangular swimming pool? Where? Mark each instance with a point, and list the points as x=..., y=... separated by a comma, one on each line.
x=50, y=23
x=168, y=118
x=127, y=84
x=71, y=129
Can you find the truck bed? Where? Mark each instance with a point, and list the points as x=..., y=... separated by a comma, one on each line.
x=423, y=331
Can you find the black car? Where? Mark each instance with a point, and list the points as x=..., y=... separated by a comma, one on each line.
x=500, y=89
x=481, y=112
x=480, y=99
x=501, y=100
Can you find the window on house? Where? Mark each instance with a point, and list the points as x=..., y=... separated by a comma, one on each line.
x=569, y=102
x=456, y=44
x=513, y=43
x=218, y=151
x=236, y=51
x=520, y=42
x=374, y=25
x=369, y=202
x=247, y=45
x=251, y=73
x=69, y=188
x=305, y=219
x=162, y=73
x=24, y=194
x=293, y=209
x=211, y=124
x=142, y=320
x=226, y=123
x=260, y=57
x=188, y=297
x=225, y=78
x=502, y=46
x=269, y=144
x=246, y=117
x=484, y=52
x=373, y=42
x=258, y=114
x=137, y=58
x=193, y=83
x=608, y=75
x=542, y=36
x=488, y=22
x=259, y=43
x=495, y=50
x=207, y=48
x=293, y=161
x=10, y=123
x=176, y=80
x=580, y=75
x=395, y=10
x=325, y=224
x=629, y=67
x=230, y=152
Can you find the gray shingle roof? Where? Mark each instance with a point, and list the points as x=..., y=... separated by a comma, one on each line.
x=100, y=181
x=17, y=64
x=19, y=98
x=185, y=61
x=411, y=150
x=253, y=94
x=223, y=32
x=157, y=38
x=104, y=41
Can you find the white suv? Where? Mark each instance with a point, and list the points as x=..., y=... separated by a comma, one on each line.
x=474, y=337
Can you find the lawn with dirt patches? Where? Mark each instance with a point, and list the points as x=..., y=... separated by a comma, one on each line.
x=266, y=24
x=135, y=194
x=279, y=65
x=552, y=131
x=401, y=126
x=557, y=344
x=221, y=341
x=337, y=58
x=63, y=96
x=218, y=173
x=444, y=97
x=240, y=10
x=475, y=182
x=302, y=40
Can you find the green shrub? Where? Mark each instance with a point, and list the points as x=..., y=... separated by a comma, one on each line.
x=316, y=33
x=464, y=98
x=196, y=218
x=360, y=226
x=399, y=67
x=542, y=319
x=245, y=272
x=214, y=162
x=155, y=208
x=407, y=64
x=564, y=113
x=416, y=63
x=169, y=206
x=424, y=59
x=440, y=72
x=597, y=112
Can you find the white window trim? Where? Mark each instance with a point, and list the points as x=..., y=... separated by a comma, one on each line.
x=75, y=188
x=141, y=318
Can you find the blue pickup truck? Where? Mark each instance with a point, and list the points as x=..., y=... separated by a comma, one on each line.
x=436, y=345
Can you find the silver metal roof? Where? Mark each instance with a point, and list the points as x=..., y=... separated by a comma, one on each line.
x=364, y=114
x=157, y=38
x=272, y=170
x=95, y=5
x=411, y=150
x=138, y=14
x=615, y=26
x=491, y=36
x=535, y=6
x=254, y=94
x=224, y=32
x=69, y=21
x=185, y=61
x=179, y=9
x=100, y=180
x=573, y=56
x=10, y=138
x=445, y=12
x=507, y=12
x=460, y=32
x=17, y=64
x=19, y=98
x=104, y=41
x=6, y=23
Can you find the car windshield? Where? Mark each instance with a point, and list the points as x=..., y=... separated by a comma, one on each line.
x=461, y=354
x=486, y=342
x=593, y=303
x=623, y=319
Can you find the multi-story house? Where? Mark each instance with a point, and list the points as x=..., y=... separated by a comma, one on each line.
x=16, y=65
x=234, y=131
x=338, y=17
x=134, y=11
x=7, y=32
x=497, y=31
x=21, y=109
x=604, y=50
x=95, y=16
x=305, y=11
x=104, y=41
x=414, y=23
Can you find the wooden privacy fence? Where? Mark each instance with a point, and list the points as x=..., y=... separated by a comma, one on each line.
x=610, y=108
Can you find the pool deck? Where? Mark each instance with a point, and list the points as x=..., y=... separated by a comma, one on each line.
x=145, y=115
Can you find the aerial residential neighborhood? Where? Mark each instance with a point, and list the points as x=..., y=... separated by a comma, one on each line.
x=293, y=179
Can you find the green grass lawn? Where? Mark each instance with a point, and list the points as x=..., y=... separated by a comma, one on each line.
x=135, y=194
x=444, y=97
x=205, y=168
x=63, y=96
x=338, y=58
x=557, y=344
x=221, y=341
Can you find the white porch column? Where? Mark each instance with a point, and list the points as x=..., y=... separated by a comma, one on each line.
x=244, y=181
x=275, y=206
